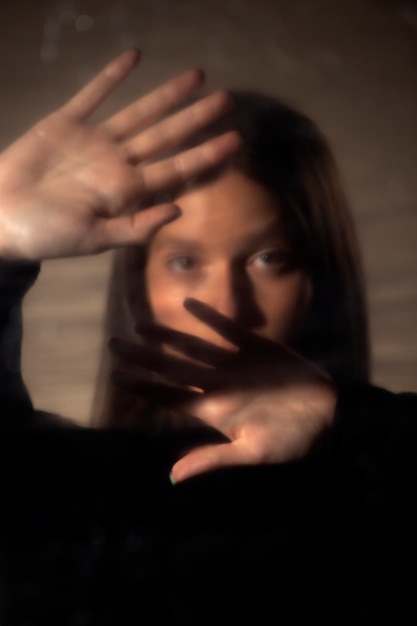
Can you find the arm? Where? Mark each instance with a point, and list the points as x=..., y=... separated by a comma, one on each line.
x=16, y=410
x=374, y=430
x=15, y=279
x=69, y=188
x=272, y=405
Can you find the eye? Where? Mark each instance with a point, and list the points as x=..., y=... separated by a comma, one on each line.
x=182, y=264
x=272, y=259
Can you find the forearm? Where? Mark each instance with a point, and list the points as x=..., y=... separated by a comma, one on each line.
x=15, y=279
x=375, y=431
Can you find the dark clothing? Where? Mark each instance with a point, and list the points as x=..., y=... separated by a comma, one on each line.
x=15, y=280
x=93, y=532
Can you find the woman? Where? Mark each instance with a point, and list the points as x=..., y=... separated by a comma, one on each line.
x=285, y=307
x=267, y=240
x=264, y=341
x=67, y=187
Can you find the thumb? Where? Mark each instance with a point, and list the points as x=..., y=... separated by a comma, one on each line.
x=209, y=458
x=138, y=227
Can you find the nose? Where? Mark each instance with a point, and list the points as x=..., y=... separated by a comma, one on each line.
x=220, y=292
x=228, y=290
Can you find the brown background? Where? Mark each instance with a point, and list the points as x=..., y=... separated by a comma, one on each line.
x=350, y=64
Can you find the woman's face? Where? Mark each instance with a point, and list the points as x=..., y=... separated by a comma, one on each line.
x=228, y=249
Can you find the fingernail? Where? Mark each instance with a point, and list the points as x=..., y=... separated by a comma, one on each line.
x=176, y=211
x=191, y=303
x=172, y=479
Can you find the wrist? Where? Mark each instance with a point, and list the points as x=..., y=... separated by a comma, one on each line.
x=16, y=277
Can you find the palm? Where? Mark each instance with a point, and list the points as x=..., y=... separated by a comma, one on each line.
x=70, y=188
x=271, y=403
x=66, y=168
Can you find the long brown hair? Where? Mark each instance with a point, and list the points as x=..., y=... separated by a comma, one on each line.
x=285, y=152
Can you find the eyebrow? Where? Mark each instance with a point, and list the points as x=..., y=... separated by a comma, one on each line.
x=272, y=233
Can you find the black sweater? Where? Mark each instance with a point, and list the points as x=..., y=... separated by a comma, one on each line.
x=93, y=532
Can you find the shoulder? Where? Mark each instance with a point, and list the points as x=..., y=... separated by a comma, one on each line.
x=372, y=422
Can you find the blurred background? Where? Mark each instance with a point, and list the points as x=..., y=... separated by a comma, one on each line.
x=349, y=64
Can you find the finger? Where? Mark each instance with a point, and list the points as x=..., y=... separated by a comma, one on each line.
x=247, y=341
x=177, y=370
x=164, y=395
x=172, y=131
x=86, y=101
x=151, y=107
x=191, y=346
x=181, y=168
x=209, y=458
x=250, y=343
x=224, y=326
x=134, y=229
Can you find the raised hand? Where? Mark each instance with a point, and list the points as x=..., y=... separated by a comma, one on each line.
x=272, y=404
x=70, y=188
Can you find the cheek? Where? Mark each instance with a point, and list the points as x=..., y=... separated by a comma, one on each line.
x=285, y=306
x=165, y=299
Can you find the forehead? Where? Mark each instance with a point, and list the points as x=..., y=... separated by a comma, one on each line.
x=229, y=207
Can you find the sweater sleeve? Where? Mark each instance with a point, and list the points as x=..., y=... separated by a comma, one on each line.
x=375, y=430
x=15, y=280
